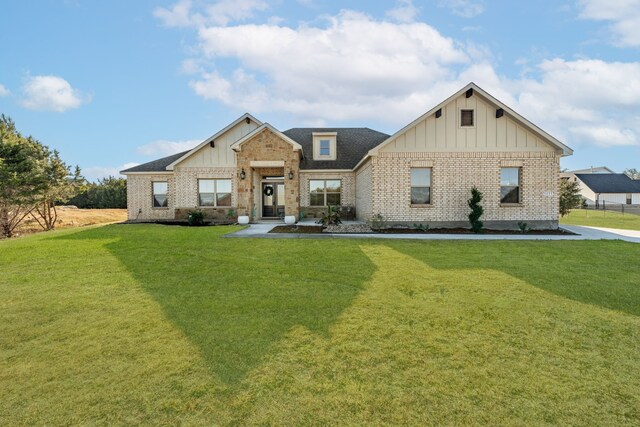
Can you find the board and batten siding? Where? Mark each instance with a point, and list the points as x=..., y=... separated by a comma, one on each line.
x=221, y=155
x=444, y=134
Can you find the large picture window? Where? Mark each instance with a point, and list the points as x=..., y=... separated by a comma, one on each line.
x=510, y=185
x=214, y=192
x=160, y=190
x=324, y=192
x=420, y=186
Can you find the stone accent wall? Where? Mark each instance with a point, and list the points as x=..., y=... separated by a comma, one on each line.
x=267, y=146
x=454, y=174
x=363, y=192
x=186, y=183
x=140, y=201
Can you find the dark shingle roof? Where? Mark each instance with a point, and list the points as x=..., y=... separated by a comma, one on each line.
x=609, y=182
x=352, y=145
x=159, y=165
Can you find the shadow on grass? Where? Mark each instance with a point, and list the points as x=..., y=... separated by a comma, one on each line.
x=601, y=273
x=235, y=298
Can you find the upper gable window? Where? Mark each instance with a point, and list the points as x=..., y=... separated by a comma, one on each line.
x=467, y=118
x=324, y=146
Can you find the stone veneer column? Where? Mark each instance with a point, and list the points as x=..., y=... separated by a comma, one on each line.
x=267, y=146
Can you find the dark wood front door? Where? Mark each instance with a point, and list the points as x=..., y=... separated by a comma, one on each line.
x=272, y=199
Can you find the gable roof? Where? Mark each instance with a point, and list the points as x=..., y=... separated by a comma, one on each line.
x=159, y=165
x=609, y=182
x=236, y=146
x=592, y=169
x=565, y=151
x=352, y=144
x=245, y=116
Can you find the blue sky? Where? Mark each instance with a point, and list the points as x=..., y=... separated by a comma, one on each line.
x=113, y=83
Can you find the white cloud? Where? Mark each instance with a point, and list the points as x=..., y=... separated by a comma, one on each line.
x=185, y=14
x=623, y=16
x=51, y=93
x=163, y=148
x=350, y=68
x=584, y=101
x=463, y=8
x=353, y=68
x=95, y=173
x=4, y=91
x=404, y=11
x=606, y=136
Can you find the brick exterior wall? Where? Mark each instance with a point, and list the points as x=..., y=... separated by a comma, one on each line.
x=364, y=205
x=453, y=175
x=347, y=182
x=140, y=197
x=186, y=184
x=267, y=146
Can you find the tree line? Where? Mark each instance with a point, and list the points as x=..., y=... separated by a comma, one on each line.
x=34, y=180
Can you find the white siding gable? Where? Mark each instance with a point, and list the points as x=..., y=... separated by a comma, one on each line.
x=221, y=155
x=444, y=134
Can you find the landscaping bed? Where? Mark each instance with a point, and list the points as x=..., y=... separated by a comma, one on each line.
x=365, y=229
x=302, y=229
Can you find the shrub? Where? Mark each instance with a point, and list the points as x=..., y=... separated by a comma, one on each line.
x=196, y=218
x=421, y=227
x=476, y=210
x=523, y=227
x=378, y=222
x=330, y=217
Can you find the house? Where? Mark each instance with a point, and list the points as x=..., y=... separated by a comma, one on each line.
x=613, y=188
x=423, y=173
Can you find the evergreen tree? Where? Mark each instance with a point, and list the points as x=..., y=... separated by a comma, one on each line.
x=476, y=210
x=569, y=197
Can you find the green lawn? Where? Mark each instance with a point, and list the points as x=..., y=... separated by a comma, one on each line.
x=607, y=219
x=152, y=324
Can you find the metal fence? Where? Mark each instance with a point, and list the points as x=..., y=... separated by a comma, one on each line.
x=603, y=207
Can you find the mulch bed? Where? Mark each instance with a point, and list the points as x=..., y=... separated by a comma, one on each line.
x=467, y=231
x=310, y=229
x=301, y=229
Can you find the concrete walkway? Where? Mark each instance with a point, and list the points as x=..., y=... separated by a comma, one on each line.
x=582, y=233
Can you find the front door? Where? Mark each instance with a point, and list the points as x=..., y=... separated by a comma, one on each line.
x=273, y=199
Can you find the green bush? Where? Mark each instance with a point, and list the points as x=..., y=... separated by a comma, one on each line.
x=477, y=210
x=196, y=218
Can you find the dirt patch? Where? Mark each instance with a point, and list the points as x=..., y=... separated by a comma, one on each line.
x=70, y=216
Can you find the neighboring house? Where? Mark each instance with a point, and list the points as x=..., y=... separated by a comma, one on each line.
x=615, y=188
x=421, y=174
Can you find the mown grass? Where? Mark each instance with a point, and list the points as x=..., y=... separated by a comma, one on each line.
x=602, y=218
x=149, y=324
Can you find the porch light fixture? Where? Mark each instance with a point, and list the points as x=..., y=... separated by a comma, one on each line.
x=243, y=174
x=290, y=174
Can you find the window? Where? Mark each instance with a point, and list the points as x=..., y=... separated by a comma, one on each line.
x=420, y=186
x=466, y=118
x=214, y=192
x=510, y=185
x=325, y=147
x=629, y=198
x=324, y=192
x=160, y=190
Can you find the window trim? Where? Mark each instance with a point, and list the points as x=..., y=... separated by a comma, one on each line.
x=473, y=118
x=153, y=195
x=325, y=192
x=321, y=136
x=215, y=192
x=430, y=187
x=519, y=186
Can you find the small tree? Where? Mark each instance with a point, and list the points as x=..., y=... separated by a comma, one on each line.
x=22, y=180
x=569, y=197
x=59, y=186
x=632, y=173
x=476, y=210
